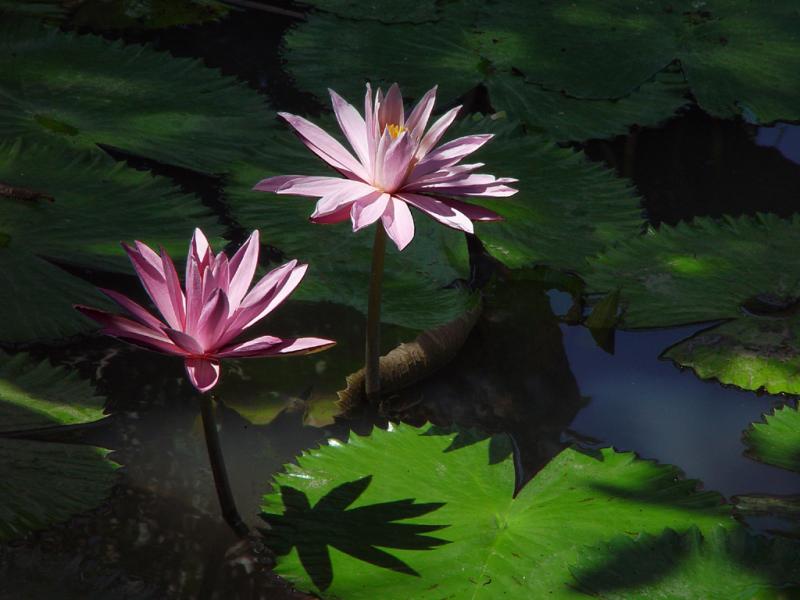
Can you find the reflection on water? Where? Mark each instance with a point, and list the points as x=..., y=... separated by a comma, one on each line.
x=641, y=403
x=784, y=137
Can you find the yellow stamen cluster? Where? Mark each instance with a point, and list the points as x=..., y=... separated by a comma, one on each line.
x=395, y=130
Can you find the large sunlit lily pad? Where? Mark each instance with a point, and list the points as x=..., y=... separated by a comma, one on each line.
x=420, y=286
x=81, y=91
x=706, y=270
x=42, y=483
x=90, y=203
x=722, y=564
x=567, y=209
x=409, y=514
x=777, y=440
x=738, y=56
x=449, y=53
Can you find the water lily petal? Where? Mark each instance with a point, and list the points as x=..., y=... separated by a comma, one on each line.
x=472, y=211
x=326, y=147
x=396, y=162
x=242, y=268
x=184, y=341
x=418, y=119
x=340, y=199
x=399, y=223
x=447, y=215
x=265, y=296
x=390, y=111
x=366, y=212
x=149, y=267
x=353, y=126
x=307, y=185
x=339, y=215
x=138, y=312
x=273, y=346
x=174, y=290
x=202, y=372
x=132, y=331
x=435, y=133
x=469, y=185
x=449, y=154
x=370, y=123
x=213, y=321
x=446, y=174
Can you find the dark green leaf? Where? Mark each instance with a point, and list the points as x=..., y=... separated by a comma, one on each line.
x=96, y=203
x=45, y=482
x=81, y=91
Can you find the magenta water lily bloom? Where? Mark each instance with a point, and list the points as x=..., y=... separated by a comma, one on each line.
x=397, y=164
x=203, y=324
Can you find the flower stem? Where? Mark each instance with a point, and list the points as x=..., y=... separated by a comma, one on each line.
x=372, y=379
x=226, y=501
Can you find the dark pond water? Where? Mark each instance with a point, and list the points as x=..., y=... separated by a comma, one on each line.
x=523, y=370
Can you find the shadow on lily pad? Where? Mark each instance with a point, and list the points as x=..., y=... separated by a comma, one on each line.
x=331, y=523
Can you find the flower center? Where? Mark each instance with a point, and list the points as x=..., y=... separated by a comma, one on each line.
x=395, y=130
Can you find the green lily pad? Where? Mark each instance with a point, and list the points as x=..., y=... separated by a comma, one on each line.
x=567, y=209
x=387, y=11
x=451, y=58
x=81, y=91
x=405, y=514
x=731, y=269
x=418, y=290
x=752, y=353
x=586, y=49
x=95, y=202
x=449, y=53
x=145, y=14
x=564, y=118
x=777, y=440
x=701, y=271
x=42, y=483
x=722, y=564
x=738, y=56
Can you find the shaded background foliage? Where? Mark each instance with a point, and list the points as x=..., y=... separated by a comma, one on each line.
x=111, y=128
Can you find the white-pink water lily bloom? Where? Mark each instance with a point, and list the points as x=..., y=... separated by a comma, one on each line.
x=203, y=323
x=397, y=164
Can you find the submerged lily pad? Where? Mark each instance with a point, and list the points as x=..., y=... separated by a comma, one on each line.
x=567, y=209
x=95, y=202
x=738, y=56
x=449, y=53
x=420, y=286
x=81, y=91
x=777, y=440
x=732, y=269
x=42, y=483
x=722, y=564
x=405, y=513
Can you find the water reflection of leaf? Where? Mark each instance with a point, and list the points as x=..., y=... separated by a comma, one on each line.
x=330, y=523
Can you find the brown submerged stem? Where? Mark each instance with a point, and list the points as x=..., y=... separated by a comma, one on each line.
x=224, y=494
x=372, y=375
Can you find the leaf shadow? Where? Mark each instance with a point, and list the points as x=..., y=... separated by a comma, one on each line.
x=360, y=532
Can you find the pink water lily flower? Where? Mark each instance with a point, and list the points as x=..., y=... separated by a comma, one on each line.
x=397, y=164
x=202, y=325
